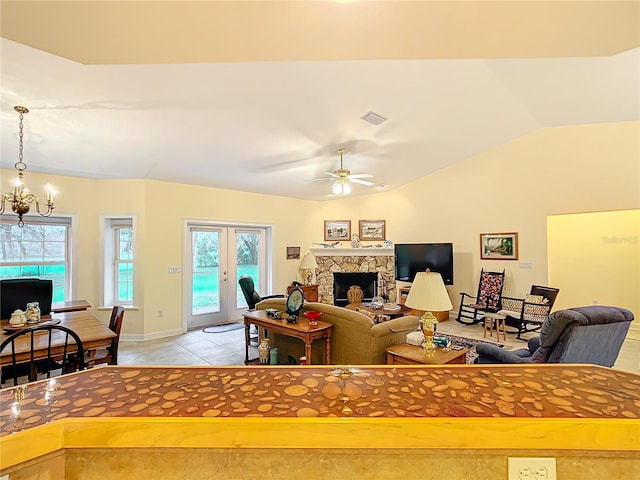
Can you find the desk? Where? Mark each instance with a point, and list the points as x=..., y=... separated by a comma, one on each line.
x=405, y=354
x=93, y=333
x=301, y=330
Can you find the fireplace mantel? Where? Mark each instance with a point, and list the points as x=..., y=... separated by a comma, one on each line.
x=354, y=260
x=352, y=252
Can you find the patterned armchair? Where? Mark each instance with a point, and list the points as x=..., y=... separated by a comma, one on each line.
x=488, y=299
x=528, y=313
x=592, y=334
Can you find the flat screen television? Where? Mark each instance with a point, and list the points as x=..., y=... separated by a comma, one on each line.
x=411, y=258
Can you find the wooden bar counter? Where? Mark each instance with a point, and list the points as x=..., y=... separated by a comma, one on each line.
x=406, y=415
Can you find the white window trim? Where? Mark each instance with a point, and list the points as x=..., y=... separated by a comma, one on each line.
x=72, y=251
x=107, y=293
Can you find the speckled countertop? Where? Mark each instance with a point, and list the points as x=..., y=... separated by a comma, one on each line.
x=547, y=391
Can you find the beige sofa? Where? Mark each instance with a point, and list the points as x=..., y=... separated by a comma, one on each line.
x=355, y=340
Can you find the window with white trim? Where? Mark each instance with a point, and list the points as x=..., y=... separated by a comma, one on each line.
x=119, y=262
x=41, y=248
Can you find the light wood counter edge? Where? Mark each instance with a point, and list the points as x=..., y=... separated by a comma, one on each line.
x=323, y=433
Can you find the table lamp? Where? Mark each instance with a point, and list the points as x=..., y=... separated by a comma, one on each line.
x=428, y=293
x=308, y=264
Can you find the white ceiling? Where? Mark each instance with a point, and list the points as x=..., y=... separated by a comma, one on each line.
x=269, y=126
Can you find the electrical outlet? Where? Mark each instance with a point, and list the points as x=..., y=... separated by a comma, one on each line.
x=160, y=314
x=527, y=265
x=531, y=468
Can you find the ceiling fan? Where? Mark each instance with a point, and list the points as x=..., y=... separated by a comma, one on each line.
x=343, y=177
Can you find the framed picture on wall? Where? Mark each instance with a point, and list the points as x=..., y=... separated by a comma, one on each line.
x=293, y=253
x=372, y=230
x=499, y=246
x=337, y=230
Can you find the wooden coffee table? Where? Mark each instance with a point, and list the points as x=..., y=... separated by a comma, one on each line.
x=301, y=330
x=405, y=354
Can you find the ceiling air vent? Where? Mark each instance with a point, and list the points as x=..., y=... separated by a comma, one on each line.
x=374, y=118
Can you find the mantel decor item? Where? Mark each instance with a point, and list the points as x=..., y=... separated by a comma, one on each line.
x=337, y=230
x=372, y=230
x=429, y=294
x=20, y=198
x=499, y=246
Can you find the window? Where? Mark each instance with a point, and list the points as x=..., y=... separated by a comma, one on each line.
x=42, y=248
x=119, y=262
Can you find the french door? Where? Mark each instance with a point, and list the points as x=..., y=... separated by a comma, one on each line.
x=215, y=258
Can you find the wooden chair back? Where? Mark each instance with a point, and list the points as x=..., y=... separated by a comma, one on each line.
x=115, y=325
x=44, y=355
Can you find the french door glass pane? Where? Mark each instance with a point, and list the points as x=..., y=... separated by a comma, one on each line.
x=206, y=261
x=247, y=258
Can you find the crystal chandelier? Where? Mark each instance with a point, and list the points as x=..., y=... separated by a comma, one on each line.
x=21, y=199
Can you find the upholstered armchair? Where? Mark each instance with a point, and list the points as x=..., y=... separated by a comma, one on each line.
x=592, y=334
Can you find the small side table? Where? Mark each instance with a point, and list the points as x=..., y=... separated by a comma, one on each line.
x=498, y=321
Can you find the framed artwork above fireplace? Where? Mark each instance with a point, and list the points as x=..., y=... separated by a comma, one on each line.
x=337, y=230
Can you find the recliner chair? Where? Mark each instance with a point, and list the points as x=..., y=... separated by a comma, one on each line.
x=249, y=291
x=592, y=334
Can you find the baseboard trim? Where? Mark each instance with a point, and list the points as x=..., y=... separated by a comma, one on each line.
x=136, y=337
x=634, y=330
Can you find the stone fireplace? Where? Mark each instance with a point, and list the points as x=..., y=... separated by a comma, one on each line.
x=354, y=260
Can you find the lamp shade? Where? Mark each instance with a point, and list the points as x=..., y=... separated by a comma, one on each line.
x=428, y=293
x=308, y=262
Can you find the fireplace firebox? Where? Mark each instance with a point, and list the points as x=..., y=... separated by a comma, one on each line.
x=368, y=281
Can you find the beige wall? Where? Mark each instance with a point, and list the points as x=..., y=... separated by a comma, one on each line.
x=513, y=187
x=595, y=258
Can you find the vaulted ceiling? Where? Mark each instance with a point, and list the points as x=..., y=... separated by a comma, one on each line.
x=258, y=96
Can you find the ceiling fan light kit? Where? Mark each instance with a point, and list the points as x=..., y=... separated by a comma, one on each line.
x=344, y=178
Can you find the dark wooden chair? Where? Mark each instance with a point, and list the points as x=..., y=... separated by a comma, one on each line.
x=529, y=313
x=109, y=355
x=65, y=353
x=487, y=300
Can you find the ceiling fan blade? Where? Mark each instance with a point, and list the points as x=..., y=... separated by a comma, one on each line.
x=361, y=175
x=317, y=179
x=361, y=182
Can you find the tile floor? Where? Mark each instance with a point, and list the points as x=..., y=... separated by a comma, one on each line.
x=200, y=348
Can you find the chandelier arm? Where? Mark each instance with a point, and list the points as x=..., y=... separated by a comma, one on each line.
x=49, y=211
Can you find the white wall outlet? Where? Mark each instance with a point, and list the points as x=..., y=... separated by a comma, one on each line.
x=527, y=265
x=174, y=269
x=531, y=468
